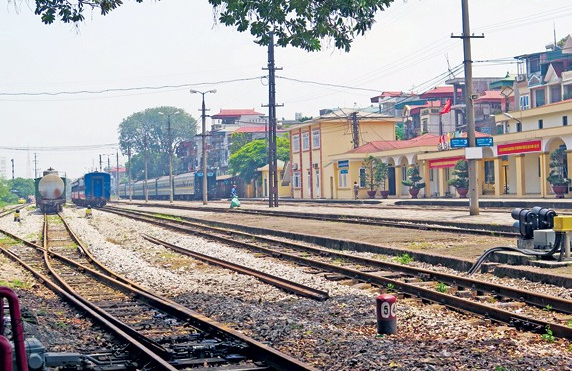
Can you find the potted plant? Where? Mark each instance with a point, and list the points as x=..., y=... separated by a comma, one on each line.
x=381, y=171
x=556, y=177
x=370, y=164
x=461, y=178
x=413, y=181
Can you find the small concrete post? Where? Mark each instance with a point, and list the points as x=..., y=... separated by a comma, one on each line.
x=386, y=319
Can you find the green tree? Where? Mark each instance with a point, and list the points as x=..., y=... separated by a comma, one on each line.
x=22, y=187
x=6, y=197
x=253, y=155
x=461, y=175
x=146, y=133
x=375, y=173
x=399, y=131
x=239, y=140
x=557, y=175
x=300, y=23
x=414, y=180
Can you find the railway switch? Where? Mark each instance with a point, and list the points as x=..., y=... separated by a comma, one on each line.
x=563, y=224
x=545, y=217
x=526, y=221
x=386, y=319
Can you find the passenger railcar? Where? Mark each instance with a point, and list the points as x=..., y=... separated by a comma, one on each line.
x=211, y=185
x=50, y=192
x=186, y=186
x=92, y=189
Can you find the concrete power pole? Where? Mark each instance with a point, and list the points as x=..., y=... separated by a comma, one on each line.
x=272, y=152
x=469, y=108
x=355, y=130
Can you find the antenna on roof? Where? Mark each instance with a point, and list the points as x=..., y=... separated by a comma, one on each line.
x=554, y=30
x=449, y=66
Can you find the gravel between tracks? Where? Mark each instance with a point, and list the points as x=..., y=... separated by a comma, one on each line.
x=338, y=334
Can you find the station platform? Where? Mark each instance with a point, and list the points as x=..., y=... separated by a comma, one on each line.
x=551, y=203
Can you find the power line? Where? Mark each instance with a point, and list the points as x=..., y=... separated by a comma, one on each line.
x=87, y=147
x=111, y=90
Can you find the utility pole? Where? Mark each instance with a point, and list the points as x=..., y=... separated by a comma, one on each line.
x=117, y=173
x=204, y=144
x=355, y=129
x=12, y=169
x=146, y=166
x=35, y=165
x=272, y=153
x=129, y=173
x=170, y=153
x=469, y=109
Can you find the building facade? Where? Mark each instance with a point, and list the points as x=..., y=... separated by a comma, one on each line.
x=313, y=174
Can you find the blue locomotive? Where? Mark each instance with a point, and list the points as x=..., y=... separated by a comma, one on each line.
x=186, y=186
x=92, y=189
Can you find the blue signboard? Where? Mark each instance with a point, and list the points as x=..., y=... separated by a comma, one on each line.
x=344, y=171
x=459, y=142
x=344, y=163
x=484, y=142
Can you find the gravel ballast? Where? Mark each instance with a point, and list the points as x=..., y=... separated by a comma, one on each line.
x=337, y=334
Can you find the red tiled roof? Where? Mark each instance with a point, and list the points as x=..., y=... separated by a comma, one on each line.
x=420, y=141
x=253, y=129
x=386, y=145
x=491, y=96
x=236, y=113
x=439, y=92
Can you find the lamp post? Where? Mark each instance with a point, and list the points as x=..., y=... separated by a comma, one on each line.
x=170, y=153
x=204, y=143
x=518, y=122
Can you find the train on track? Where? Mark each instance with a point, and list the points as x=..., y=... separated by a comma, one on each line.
x=50, y=192
x=92, y=189
x=186, y=186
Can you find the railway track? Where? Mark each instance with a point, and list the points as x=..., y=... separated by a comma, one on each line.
x=417, y=224
x=499, y=303
x=162, y=335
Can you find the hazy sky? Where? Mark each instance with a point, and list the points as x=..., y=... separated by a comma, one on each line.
x=176, y=44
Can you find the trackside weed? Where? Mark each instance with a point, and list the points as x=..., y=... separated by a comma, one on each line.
x=548, y=337
x=442, y=287
x=404, y=259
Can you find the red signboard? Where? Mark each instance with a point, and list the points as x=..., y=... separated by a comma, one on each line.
x=520, y=147
x=444, y=162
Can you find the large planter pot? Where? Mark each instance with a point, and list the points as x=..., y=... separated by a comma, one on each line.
x=384, y=194
x=371, y=194
x=559, y=190
x=462, y=192
x=413, y=192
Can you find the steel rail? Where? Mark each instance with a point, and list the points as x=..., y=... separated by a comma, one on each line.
x=432, y=225
x=258, y=351
x=455, y=302
x=286, y=285
x=79, y=304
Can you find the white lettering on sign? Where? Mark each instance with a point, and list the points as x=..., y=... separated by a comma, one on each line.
x=388, y=310
x=385, y=310
x=393, y=309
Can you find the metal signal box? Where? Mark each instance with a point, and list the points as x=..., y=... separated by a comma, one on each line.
x=563, y=223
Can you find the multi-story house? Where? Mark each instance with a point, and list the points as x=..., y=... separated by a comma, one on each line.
x=218, y=139
x=313, y=174
x=515, y=160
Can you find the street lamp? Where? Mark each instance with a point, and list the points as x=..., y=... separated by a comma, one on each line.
x=170, y=153
x=204, y=143
x=518, y=122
